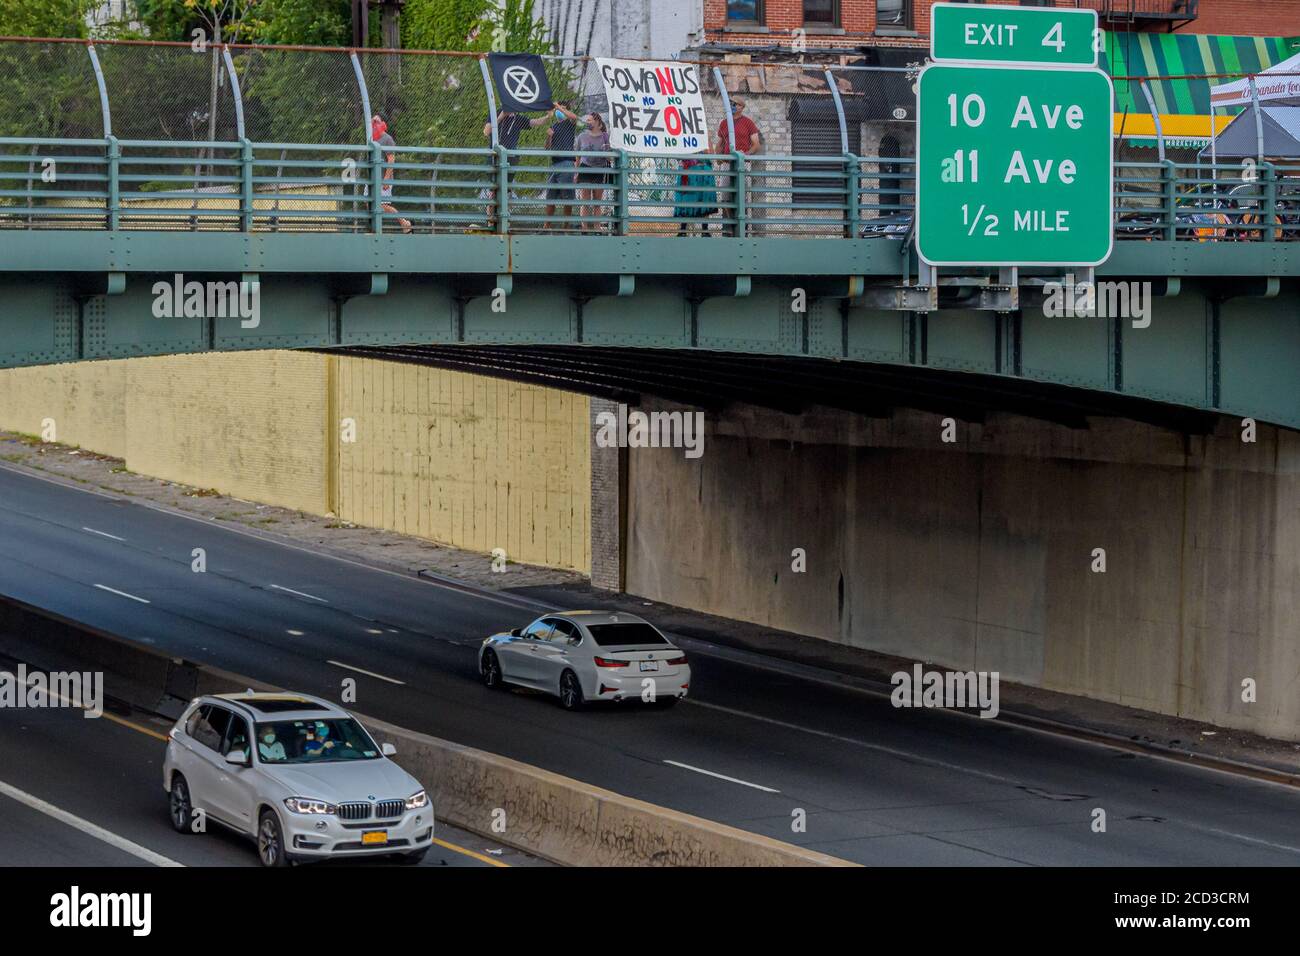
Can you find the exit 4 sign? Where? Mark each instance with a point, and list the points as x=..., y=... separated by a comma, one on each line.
x=1021, y=36
x=1013, y=141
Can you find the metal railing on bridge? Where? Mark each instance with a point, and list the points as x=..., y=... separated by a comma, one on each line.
x=130, y=136
x=294, y=187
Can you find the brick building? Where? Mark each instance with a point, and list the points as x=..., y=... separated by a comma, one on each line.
x=838, y=23
x=773, y=53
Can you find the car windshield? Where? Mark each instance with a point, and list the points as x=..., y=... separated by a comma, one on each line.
x=331, y=740
x=611, y=635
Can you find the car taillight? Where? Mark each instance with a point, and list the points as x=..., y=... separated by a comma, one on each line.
x=606, y=662
x=677, y=660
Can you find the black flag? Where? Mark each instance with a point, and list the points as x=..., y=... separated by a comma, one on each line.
x=521, y=82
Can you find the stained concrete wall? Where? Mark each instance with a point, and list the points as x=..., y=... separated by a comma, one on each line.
x=86, y=406
x=250, y=424
x=979, y=554
x=460, y=459
x=478, y=462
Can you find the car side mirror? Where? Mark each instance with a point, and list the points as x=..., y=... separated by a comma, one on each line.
x=388, y=750
x=237, y=758
x=514, y=632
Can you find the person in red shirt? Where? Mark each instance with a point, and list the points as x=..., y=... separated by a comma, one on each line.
x=748, y=141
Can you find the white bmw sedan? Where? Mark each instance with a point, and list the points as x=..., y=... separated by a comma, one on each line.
x=298, y=775
x=582, y=656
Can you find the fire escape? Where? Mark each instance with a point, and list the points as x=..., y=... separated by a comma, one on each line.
x=1137, y=15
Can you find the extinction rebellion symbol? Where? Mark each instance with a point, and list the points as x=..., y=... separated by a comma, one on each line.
x=521, y=82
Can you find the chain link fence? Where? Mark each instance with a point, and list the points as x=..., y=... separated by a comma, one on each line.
x=49, y=91
x=834, y=149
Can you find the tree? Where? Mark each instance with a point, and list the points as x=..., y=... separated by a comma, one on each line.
x=441, y=24
x=302, y=22
x=44, y=18
x=513, y=27
x=220, y=20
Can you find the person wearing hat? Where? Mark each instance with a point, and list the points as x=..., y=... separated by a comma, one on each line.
x=749, y=141
x=379, y=133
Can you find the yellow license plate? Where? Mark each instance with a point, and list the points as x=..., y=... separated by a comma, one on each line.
x=377, y=838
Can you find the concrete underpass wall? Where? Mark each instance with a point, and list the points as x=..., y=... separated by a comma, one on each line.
x=250, y=425
x=469, y=461
x=978, y=554
x=86, y=406
x=477, y=462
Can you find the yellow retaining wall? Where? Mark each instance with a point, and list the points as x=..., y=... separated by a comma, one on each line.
x=461, y=459
x=84, y=401
x=249, y=424
x=478, y=462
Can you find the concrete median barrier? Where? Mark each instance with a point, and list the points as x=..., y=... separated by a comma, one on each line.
x=572, y=822
x=544, y=813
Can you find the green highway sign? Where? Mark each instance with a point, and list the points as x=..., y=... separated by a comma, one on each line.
x=1025, y=36
x=1013, y=166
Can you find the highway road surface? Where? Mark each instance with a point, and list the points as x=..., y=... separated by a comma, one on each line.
x=759, y=746
x=78, y=792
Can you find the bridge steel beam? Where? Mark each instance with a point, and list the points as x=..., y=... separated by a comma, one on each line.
x=1229, y=341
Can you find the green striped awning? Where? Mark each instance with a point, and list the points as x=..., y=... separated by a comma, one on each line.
x=1186, y=54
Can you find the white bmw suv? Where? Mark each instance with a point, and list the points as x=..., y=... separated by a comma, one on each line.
x=298, y=775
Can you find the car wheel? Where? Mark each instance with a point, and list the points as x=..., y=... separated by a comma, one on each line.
x=270, y=841
x=570, y=691
x=413, y=858
x=182, y=810
x=490, y=668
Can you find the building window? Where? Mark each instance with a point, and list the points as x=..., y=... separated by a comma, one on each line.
x=821, y=12
x=894, y=14
x=745, y=11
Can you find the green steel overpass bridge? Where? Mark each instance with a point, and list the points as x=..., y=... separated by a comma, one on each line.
x=801, y=286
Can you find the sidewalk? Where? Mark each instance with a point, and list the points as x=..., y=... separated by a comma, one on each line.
x=1124, y=727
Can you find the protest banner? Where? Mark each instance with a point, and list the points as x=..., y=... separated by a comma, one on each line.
x=654, y=106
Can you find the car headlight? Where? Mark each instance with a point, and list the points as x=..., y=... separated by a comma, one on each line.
x=308, y=805
x=417, y=800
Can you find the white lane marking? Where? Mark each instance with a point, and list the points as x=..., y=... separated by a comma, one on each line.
x=1066, y=733
x=708, y=648
x=85, y=826
x=299, y=593
x=105, y=587
x=1236, y=836
x=294, y=633
x=881, y=748
x=710, y=773
x=271, y=538
x=103, y=533
x=367, y=673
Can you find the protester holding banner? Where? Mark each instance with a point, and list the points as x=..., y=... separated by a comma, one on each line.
x=560, y=184
x=696, y=199
x=509, y=126
x=593, y=171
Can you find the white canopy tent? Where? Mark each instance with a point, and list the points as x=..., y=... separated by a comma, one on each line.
x=1279, y=85
x=1272, y=86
